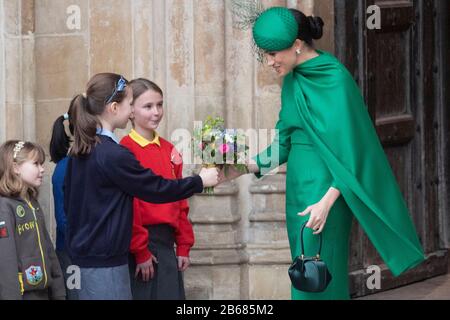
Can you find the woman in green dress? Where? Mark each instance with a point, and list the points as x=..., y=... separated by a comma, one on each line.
x=336, y=167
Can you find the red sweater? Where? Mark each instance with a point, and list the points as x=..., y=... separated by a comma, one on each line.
x=162, y=158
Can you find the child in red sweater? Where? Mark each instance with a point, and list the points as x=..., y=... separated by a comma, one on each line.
x=155, y=271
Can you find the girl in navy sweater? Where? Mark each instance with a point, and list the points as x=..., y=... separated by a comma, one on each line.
x=101, y=180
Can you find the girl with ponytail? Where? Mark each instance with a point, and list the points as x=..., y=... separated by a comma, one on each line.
x=59, y=148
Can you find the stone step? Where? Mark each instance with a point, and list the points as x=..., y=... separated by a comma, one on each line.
x=437, y=288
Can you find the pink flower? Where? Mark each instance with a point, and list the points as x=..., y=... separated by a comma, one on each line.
x=224, y=148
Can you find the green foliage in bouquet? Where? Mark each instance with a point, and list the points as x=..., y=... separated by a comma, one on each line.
x=220, y=147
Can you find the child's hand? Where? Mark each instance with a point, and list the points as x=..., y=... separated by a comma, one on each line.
x=146, y=269
x=183, y=263
x=210, y=177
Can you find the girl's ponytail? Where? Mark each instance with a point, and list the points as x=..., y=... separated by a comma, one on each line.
x=60, y=141
x=85, y=126
x=102, y=89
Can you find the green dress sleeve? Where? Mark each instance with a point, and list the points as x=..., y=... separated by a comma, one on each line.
x=277, y=152
x=334, y=184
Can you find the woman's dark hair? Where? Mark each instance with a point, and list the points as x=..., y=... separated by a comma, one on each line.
x=309, y=28
x=60, y=141
x=141, y=85
x=101, y=89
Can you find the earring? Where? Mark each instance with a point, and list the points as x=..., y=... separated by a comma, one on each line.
x=298, y=52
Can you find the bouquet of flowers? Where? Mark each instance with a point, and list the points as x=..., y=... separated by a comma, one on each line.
x=220, y=147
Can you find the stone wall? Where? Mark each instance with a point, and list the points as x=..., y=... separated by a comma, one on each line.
x=205, y=67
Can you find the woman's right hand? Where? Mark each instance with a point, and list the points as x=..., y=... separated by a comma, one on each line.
x=146, y=269
x=210, y=177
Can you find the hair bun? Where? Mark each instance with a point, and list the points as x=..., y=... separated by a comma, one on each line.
x=316, y=25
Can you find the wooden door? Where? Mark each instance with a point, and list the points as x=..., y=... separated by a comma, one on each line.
x=396, y=69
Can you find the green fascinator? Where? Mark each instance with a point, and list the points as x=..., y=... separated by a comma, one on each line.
x=275, y=29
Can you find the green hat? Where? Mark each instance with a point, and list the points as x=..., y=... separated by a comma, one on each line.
x=275, y=29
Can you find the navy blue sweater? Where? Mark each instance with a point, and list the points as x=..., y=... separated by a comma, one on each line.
x=58, y=197
x=98, y=200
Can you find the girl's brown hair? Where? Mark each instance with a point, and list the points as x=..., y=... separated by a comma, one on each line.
x=141, y=85
x=11, y=185
x=101, y=88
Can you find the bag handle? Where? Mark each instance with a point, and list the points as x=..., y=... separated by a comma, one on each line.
x=303, y=246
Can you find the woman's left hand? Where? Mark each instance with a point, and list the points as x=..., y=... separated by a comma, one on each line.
x=183, y=263
x=320, y=210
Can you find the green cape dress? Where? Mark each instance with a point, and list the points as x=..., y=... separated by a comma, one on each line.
x=328, y=139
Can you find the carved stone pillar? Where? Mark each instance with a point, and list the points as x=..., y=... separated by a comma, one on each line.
x=267, y=246
x=218, y=256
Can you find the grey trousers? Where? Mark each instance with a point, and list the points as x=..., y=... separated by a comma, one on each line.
x=105, y=283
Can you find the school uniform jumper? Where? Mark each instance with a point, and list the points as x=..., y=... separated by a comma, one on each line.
x=157, y=227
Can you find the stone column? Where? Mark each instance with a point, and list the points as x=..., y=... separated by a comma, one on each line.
x=17, y=65
x=111, y=39
x=2, y=74
x=17, y=49
x=268, y=247
x=12, y=75
x=180, y=55
x=218, y=254
x=61, y=68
